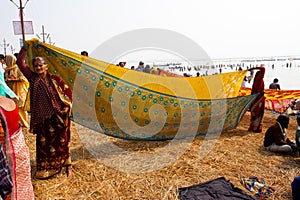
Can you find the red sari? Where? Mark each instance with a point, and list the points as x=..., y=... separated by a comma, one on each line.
x=258, y=106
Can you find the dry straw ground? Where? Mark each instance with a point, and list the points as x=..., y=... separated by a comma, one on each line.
x=236, y=154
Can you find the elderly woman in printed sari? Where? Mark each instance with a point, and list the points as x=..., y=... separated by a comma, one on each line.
x=258, y=106
x=16, y=150
x=50, y=107
x=19, y=84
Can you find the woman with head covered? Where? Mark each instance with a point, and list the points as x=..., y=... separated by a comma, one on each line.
x=257, y=107
x=19, y=84
x=50, y=107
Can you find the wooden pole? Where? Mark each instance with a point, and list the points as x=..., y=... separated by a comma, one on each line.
x=22, y=21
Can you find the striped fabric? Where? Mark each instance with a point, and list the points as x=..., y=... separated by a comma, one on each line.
x=22, y=167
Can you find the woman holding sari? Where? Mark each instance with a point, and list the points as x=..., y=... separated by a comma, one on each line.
x=257, y=108
x=50, y=107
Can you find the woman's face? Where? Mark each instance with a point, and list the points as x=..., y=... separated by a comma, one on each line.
x=40, y=68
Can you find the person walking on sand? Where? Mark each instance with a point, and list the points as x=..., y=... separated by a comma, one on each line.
x=50, y=106
x=257, y=107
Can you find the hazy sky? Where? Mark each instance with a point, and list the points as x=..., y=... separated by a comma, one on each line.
x=223, y=28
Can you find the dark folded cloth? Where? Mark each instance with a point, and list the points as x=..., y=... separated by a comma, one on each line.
x=219, y=188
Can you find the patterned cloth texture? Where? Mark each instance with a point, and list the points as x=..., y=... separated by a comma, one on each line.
x=257, y=185
x=276, y=100
x=134, y=105
x=22, y=165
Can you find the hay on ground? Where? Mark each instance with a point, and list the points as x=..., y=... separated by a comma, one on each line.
x=236, y=154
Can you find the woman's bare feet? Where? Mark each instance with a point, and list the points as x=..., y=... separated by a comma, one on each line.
x=69, y=171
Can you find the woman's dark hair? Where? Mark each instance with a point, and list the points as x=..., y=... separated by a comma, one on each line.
x=283, y=118
x=40, y=59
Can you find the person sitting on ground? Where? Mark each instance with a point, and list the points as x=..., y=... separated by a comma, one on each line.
x=275, y=138
x=294, y=108
x=275, y=85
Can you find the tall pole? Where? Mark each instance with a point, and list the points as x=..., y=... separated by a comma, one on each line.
x=43, y=32
x=12, y=49
x=22, y=21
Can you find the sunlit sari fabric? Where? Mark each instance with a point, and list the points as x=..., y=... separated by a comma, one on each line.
x=140, y=106
x=276, y=100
